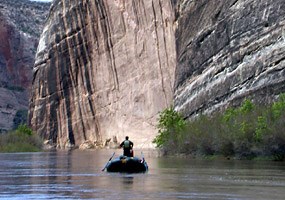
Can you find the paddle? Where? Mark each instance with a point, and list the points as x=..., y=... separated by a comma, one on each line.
x=142, y=157
x=108, y=161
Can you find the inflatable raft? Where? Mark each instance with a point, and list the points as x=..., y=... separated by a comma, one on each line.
x=127, y=165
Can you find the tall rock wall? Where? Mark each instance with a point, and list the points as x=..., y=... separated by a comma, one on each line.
x=228, y=50
x=103, y=69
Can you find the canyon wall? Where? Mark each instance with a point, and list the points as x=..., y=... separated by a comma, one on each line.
x=228, y=50
x=20, y=27
x=103, y=70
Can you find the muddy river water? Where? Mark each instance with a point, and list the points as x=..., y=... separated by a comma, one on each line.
x=78, y=175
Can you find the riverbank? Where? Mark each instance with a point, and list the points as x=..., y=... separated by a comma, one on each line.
x=20, y=140
x=246, y=132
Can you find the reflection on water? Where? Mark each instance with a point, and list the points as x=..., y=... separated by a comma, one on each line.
x=127, y=180
x=78, y=175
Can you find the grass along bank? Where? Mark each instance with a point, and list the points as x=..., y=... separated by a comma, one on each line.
x=20, y=140
x=247, y=132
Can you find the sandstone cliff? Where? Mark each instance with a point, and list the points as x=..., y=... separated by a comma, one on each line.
x=228, y=50
x=20, y=26
x=104, y=69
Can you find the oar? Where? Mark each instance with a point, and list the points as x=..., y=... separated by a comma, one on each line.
x=108, y=161
x=142, y=156
x=143, y=161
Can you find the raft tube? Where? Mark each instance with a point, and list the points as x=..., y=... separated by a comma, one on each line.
x=127, y=165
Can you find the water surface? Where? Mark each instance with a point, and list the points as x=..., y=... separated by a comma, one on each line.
x=78, y=175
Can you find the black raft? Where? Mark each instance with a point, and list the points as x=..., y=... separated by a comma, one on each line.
x=127, y=165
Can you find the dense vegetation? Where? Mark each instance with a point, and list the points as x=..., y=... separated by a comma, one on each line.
x=247, y=132
x=20, y=140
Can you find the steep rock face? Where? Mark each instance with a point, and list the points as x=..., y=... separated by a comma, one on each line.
x=103, y=69
x=19, y=35
x=228, y=50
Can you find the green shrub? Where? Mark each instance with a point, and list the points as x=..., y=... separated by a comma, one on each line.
x=261, y=128
x=246, y=107
x=24, y=129
x=247, y=131
x=20, y=140
x=278, y=107
x=170, y=126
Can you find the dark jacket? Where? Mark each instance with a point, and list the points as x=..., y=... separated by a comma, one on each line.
x=127, y=146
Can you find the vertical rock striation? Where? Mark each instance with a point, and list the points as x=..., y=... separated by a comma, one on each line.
x=103, y=68
x=228, y=50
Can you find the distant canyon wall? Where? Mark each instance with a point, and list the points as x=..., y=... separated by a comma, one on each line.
x=21, y=22
x=104, y=69
x=228, y=50
x=15, y=72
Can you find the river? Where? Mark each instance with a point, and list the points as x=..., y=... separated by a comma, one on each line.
x=78, y=175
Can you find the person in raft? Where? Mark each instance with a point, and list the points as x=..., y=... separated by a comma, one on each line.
x=128, y=147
